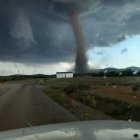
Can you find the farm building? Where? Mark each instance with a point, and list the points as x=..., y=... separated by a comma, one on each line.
x=64, y=75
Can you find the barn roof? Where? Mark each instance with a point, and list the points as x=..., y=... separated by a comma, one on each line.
x=63, y=72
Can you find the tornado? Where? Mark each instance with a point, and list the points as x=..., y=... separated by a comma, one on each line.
x=81, y=65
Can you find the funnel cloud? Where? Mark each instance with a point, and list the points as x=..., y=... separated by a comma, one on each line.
x=81, y=60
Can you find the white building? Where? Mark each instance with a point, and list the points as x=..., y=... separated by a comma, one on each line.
x=64, y=75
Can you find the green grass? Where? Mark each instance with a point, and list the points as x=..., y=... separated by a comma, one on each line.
x=57, y=96
x=63, y=90
x=120, y=109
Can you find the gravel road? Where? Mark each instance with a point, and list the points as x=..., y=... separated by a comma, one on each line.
x=24, y=105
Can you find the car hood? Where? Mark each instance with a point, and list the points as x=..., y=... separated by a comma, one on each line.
x=82, y=130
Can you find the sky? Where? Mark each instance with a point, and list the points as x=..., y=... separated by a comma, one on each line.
x=121, y=55
x=36, y=35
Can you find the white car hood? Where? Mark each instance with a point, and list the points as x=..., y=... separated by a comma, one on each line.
x=85, y=130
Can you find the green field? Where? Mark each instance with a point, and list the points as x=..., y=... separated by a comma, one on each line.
x=116, y=97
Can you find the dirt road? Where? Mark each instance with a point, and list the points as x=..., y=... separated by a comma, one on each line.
x=23, y=105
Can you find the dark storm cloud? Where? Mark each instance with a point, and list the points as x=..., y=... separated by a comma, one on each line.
x=38, y=31
x=100, y=53
x=124, y=50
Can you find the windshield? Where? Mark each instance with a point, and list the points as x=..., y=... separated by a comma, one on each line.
x=68, y=61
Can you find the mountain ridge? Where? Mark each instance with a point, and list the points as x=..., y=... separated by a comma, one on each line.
x=112, y=69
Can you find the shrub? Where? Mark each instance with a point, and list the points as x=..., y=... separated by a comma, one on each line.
x=57, y=96
x=135, y=87
x=75, y=87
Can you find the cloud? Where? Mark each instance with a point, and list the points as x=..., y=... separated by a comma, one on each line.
x=40, y=32
x=124, y=50
x=100, y=53
x=22, y=30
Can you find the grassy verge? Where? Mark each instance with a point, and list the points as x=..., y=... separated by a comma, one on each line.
x=117, y=109
x=57, y=96
x=67, y=92
x=81, y=111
